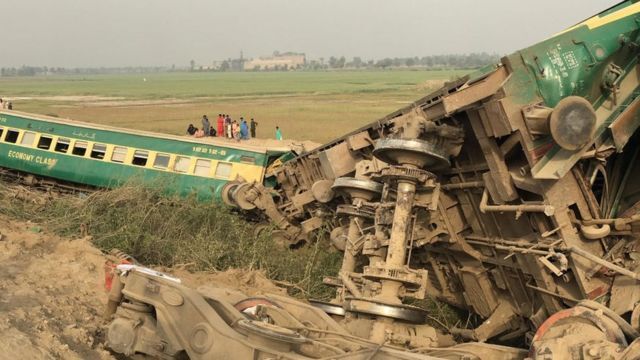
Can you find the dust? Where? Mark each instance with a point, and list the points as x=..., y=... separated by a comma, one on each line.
x=52, y=295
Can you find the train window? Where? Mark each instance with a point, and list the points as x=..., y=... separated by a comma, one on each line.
x=161, y=161
x=98, y=151
x=119, y=154
x=80, y=148
x=45, y=142
x=12, y=136
x=248, y=159
x=203, y=167
x=62, y=145
x=182, y=164
x=223, y=170
x=28, y=138
x=1, y=131
x=140, y=157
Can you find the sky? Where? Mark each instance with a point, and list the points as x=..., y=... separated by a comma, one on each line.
x=93, y=33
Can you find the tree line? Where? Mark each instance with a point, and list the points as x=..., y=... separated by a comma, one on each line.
x=434, y=62
x=45, y=70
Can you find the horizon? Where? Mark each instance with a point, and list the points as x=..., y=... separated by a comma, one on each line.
x=186, y=65
x=152, y=33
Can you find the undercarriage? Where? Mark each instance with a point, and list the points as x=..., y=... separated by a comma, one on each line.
x=511, y=194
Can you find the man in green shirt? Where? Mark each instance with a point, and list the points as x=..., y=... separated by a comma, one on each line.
x=252, y=127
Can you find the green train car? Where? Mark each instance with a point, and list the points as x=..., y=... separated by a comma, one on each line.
x=106, y=157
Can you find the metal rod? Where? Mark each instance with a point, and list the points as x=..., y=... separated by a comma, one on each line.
x=607, y=264
x=397, y=249
x=552, y=293
x=522, y=250
x=625, y=221
x=350, y=285
x=350, y=248
x=533, y=247
x=463, y=185
x=485, y=207
x=492, y=242
x=573, y=249
x=410, y=249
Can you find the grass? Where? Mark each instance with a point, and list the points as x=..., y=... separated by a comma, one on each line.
x=316, y=106
x=165, y=231
x=233, y=84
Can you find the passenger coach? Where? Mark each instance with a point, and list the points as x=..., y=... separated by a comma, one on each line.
x=104, y=156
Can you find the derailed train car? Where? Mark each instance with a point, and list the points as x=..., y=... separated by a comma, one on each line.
x=511, y=193
x=44, y=150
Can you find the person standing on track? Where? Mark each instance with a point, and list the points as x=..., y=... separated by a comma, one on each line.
x=278, y=133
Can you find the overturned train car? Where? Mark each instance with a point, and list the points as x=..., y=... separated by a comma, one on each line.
x=511, y=193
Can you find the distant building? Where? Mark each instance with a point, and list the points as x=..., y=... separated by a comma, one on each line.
x=278, y=61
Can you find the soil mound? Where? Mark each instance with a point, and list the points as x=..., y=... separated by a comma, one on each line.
x=52, y=295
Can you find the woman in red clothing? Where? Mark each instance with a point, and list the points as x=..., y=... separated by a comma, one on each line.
x=220, y=125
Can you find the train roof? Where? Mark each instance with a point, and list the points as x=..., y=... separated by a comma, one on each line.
x=254, y=145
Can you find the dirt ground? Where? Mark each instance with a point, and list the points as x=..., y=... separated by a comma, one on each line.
x=52, y=295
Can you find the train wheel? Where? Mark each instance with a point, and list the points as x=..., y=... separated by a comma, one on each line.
x=579, y=331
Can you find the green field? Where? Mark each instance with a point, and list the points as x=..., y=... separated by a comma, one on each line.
x=314, y=106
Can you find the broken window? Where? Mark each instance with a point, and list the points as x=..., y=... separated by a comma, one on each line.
x=80, y=148
x=45, y=142
x=98, y=151
x=12, y=136
x=62, y=145
x=140, y=158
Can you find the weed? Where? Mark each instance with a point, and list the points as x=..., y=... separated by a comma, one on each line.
x=165, y=231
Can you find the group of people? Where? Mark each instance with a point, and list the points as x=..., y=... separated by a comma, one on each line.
x=228, y=128
x=6, y=105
